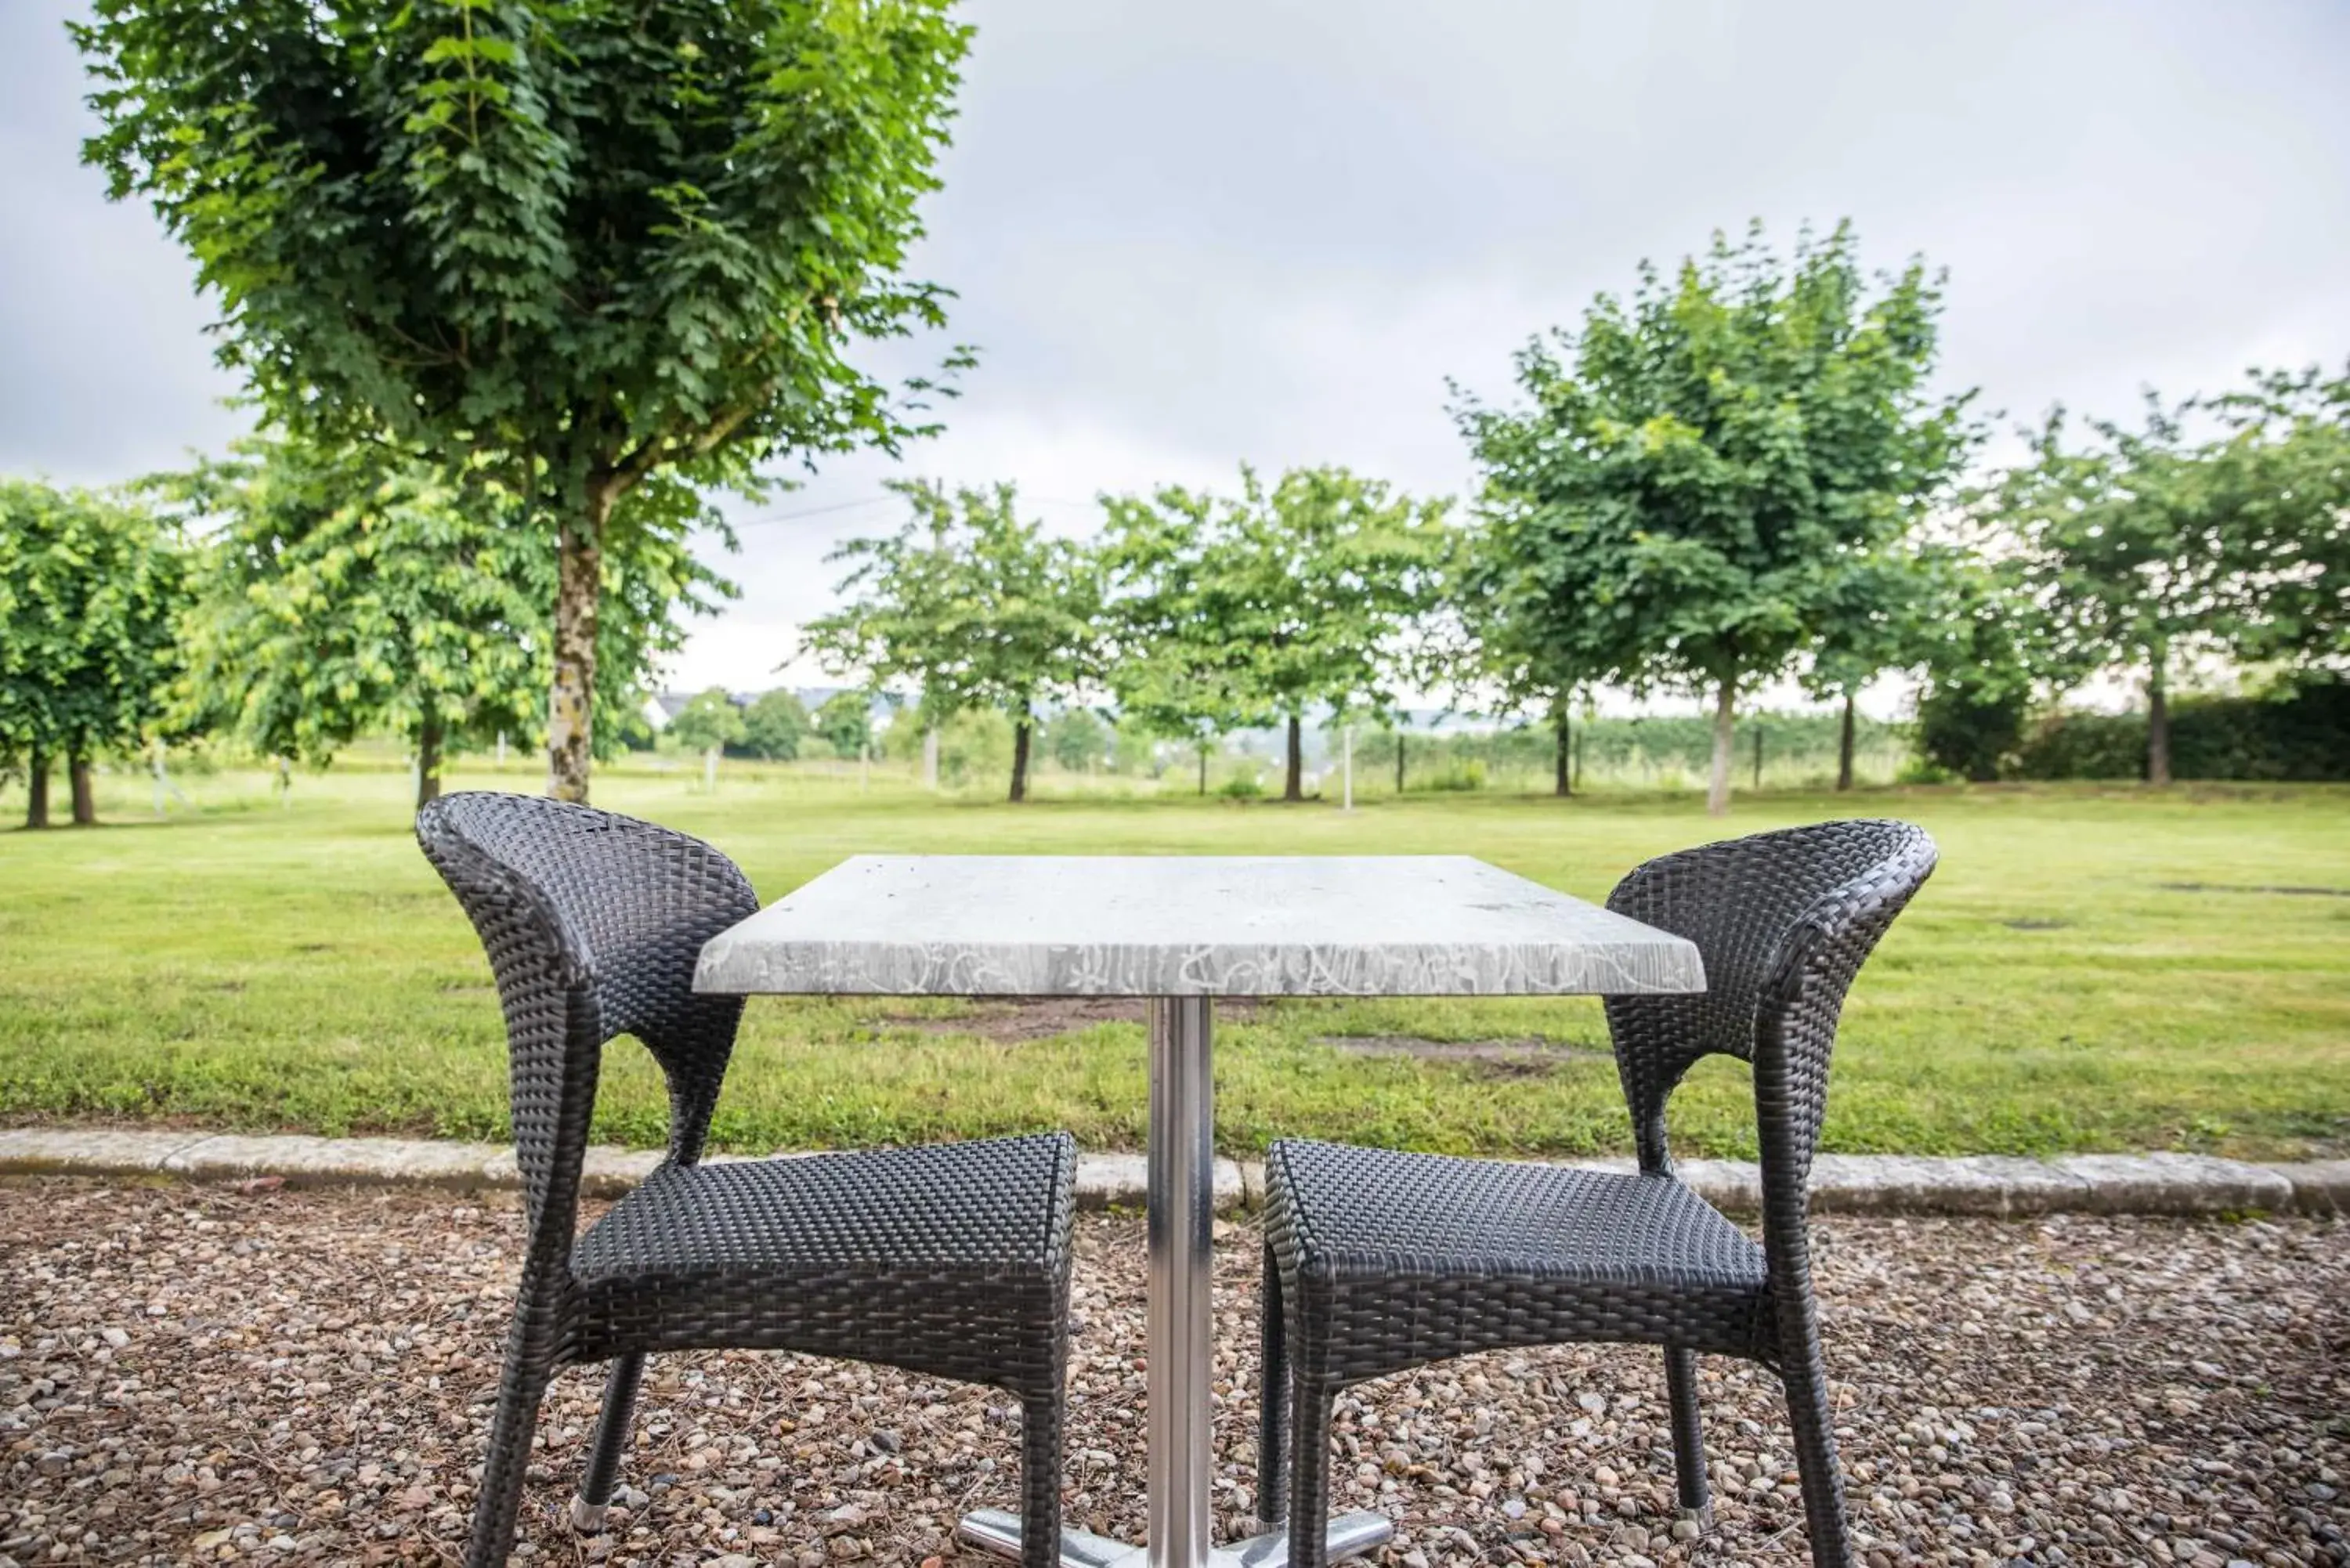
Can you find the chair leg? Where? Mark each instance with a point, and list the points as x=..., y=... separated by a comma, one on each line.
x=1272, y=1404
x=1688, y=1429
x=1309, y=1474
x=611, y=1441
x=1815, y=1460
x=1040, y=1481
x=499, y=1501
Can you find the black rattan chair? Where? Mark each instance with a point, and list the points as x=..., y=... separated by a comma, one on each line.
x=1380, y=1261
x=950, y=1261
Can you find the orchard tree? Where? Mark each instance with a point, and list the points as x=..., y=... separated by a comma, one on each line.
x=845, y=719
x=1990, y=651
x=706, y=726
x=90, y=586
x=1881, y=613
x=1499, y=647
x=2126, y=552
x=1688, y=471
x=971, y=605
x=582, y=241
x=2278, y=483
x=774, y=724
x=1172, y=675
x=1077, y=738
x=1264, y=606
x=360, y=588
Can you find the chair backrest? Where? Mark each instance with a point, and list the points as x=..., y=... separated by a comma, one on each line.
x=1783, y=921
x=592, y=923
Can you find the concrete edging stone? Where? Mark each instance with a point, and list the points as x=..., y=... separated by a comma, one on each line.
x=1999, y=1186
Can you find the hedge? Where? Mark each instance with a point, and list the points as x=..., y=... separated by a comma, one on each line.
x=2304, y=737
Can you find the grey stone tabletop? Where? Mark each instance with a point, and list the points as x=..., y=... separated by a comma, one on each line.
x=985, y=925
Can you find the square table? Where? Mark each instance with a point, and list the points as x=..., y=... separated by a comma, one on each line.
x=1181, y=931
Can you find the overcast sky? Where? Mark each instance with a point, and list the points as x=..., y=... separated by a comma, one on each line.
x=1189, y=234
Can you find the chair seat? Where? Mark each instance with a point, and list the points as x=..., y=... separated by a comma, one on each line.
x=1426, y=1256
x=944, y=1259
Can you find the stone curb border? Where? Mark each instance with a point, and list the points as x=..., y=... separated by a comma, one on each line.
x=2000, y=1186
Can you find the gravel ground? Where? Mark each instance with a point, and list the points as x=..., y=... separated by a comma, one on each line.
x=196, y=1374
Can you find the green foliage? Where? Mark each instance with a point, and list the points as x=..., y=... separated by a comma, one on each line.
x=710, y=722
x=2122, y=550
x=1681, y=499
x=976, y=607
x=2303, y=736
x=845, y=719
x=2281, y=477
x=90, y=585
x=345, y=591
x=1077, y=738
x=357, y=587
x=1971, y=732
x=1232, y=612
x=579, y=241
x=773, y=725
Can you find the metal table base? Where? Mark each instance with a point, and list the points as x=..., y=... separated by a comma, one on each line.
x=1177, y=1344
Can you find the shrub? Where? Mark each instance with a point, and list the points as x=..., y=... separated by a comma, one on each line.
x=2303, y=736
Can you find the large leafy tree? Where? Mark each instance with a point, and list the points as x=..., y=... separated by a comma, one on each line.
x=1264, y=606
x=586, y=241
x=357, y=587
x=90, y=585
x=1688, y=473
x=971, y=605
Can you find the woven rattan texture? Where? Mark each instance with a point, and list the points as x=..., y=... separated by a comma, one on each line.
x=1378, y=1261
x=950, y=1261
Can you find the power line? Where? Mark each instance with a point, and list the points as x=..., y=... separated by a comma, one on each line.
x=812, y=511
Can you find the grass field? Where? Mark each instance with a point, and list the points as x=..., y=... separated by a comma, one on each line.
x=2089, y=970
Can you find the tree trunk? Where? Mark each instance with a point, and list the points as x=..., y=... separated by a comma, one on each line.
x=1562, y=751
x=1399, y=762
x=2158, y=721
x=1203, y=770
x=84, y=802
x=428, y=761
x=570, y=705
x=36, y=791
x=1844, y=746
x=1725, y=713
x=1020, y=728
x=1293, y=786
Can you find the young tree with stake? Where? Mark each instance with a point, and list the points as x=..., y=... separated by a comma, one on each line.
x=1268, y=604
x=971, y=605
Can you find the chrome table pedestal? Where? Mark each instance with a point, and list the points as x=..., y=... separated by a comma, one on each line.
x=1182, y=1213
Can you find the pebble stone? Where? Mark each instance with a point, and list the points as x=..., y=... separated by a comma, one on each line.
x=311, y=1371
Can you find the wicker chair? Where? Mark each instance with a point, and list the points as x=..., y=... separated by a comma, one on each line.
x=952, y=1262
x=1379, y=1261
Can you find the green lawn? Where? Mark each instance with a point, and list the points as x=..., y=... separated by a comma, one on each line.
x=2053, y=988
